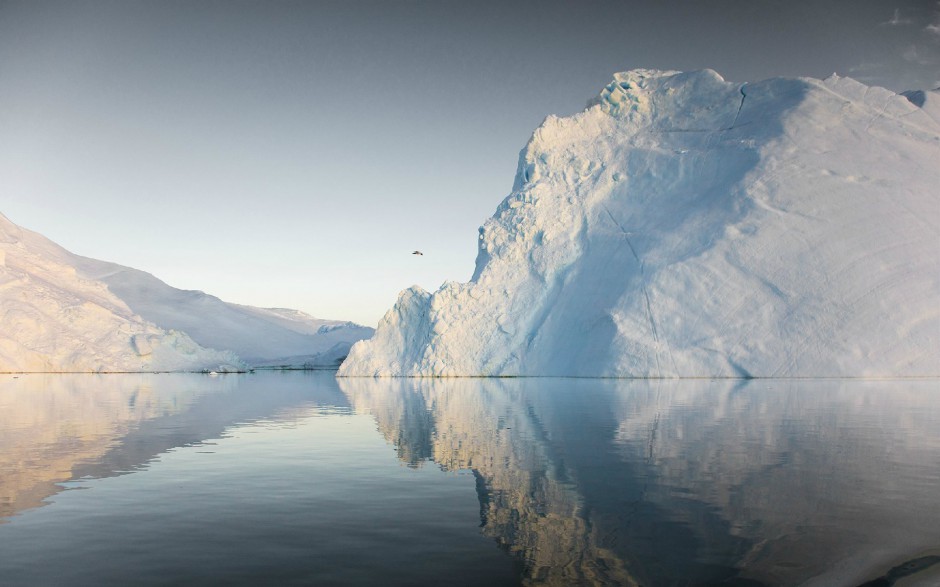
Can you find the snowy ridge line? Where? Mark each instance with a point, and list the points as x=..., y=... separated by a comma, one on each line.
x=801, y=241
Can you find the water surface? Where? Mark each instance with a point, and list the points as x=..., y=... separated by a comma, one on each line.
x=302, y=479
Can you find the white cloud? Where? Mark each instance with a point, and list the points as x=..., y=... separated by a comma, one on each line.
x=865, y=67
x=912, y=55
x=934, y=27
x=896, y=20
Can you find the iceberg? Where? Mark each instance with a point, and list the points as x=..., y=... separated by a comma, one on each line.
x=687, y=226
x=262, y=337
x=61, y=312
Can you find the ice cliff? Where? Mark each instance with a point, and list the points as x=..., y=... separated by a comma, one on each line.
x=63, y=312
x=685, y=226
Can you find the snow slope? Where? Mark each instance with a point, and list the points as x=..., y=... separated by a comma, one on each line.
x=64, y=312
x=260, y=336
x=54, y=318
x=685, y=226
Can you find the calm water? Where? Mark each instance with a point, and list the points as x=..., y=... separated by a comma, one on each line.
x=300, y=479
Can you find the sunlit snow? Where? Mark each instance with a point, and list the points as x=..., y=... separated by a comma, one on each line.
x=62, y=312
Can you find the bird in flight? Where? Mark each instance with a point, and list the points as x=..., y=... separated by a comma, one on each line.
x=418, y=253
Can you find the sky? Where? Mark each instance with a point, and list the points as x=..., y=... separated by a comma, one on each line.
x=294, y=154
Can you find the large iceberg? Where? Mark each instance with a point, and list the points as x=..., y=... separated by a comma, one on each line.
x=63, y=312
x=686, y=226
x=262, y=337
x=54, y=318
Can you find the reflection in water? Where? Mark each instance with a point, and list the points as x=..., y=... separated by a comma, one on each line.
x=684, y=482
x=584, y=481
x=56, y=428
x=276, y=482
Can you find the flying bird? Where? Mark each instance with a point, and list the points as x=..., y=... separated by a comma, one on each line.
x=418, y=253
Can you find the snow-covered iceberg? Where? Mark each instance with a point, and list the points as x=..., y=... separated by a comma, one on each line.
x=54, y=318
x=262, y=337
x=60, y=312
x=685, y=226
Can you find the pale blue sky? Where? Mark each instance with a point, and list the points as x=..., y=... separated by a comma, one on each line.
x=294, y=153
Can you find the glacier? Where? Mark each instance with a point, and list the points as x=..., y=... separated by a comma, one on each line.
x=61, y=312
x=687, y=226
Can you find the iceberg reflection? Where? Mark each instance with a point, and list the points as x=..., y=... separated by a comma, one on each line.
x=58, y=428
x=683, y=481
